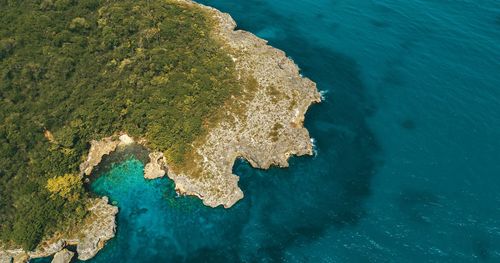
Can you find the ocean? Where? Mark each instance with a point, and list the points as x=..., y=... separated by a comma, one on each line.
x=407, y=146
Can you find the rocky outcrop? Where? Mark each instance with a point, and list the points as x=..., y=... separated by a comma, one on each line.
x=5, y=257
x=63, y=256
x=99, y=227
x=100, y=148
x=270, y=130
x=156, y=166
x=97, y=150
x=13, y=255
x=48, y=248
x=98, y=231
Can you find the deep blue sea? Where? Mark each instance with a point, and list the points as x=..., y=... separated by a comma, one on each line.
x=408, y=146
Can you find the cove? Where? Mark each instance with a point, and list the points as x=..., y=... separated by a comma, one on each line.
x=153, y=223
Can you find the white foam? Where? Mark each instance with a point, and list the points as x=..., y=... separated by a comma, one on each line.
x=314, y=147
x=322, y=94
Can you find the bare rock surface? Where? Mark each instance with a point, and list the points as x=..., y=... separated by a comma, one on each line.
x=102, y=227
x=48, y=248
x=155, y=168
x=63, y=256
x=270, y=130
x=5, y=258
x=100, y=148
x=97, y=150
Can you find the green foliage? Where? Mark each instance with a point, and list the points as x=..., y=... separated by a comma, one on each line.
x=85, y=70
x=68, y=186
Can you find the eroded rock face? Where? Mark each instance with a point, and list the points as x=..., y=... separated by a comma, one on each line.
x=63, y=256
x=5, y=258
x=13, y=255
x=155, y=168
x=100, y=148
x=101, y=229
x=270, y=130
x=97, y=150
x=23, y=258
x=48, y=248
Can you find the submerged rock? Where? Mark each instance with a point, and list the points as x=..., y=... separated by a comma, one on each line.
x=63, y=256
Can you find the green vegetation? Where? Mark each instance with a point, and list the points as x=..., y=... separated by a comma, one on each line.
x=68, y=186
x=72, y=71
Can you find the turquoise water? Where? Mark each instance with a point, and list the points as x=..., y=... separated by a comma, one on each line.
x=408, y=146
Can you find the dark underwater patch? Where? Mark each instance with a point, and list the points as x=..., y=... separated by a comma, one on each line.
x=408, y=124
x=379, y=23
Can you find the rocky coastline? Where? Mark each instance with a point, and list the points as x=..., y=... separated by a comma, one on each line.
x=268, y=132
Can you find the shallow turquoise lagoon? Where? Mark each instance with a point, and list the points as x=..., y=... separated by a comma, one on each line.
x=408, y=146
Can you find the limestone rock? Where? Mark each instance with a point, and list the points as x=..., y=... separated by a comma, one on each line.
x=63, y=256
x=13, y=255
x=99, y=231
x=5, y=258
x=48, y=248
x=97, y=150
x=21, y=258
x=125, y=140
x=155, y=168
x=96, y=230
